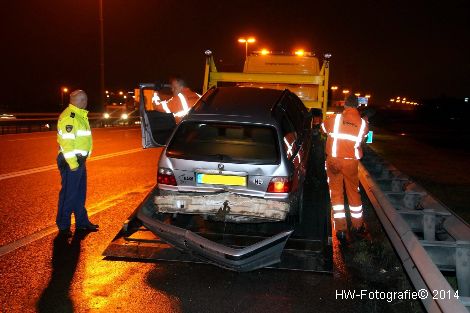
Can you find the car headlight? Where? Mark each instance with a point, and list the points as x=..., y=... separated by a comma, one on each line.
x=106, y=115
x=124, y=116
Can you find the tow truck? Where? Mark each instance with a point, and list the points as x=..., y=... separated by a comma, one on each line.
x=308, y=245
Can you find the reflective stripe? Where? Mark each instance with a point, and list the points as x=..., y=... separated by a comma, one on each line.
x=69, y=155
x=289, y=147
x=335, y=131
x=355, y=208
x=165, y=106
x=356, y=215
x=67, y=136
x=339, y=215
x=82, y=152
x=344, y=136
x=183, y=102
x=81, y=133
x=323, y=127
x=198, y=94
x=338, y=207
x=359, y=139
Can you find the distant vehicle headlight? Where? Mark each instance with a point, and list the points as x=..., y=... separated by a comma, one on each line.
x=124, y=116
x=106, y=115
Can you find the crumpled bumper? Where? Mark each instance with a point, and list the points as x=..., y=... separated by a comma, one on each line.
x=258, y=255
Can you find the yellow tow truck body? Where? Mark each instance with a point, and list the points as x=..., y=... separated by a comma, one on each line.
x=300, y=74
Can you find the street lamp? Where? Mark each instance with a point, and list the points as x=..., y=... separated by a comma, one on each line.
x=334, y=88
x=246, y=41
x=345, y=91
x=63, y=91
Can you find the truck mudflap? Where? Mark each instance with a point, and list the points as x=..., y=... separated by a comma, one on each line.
x=258, y=255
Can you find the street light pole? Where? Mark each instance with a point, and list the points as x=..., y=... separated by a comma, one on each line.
x=63, y=90
x=246, y=42
x=102, y=91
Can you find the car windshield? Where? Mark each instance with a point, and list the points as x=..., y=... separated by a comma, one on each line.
x=225, y=142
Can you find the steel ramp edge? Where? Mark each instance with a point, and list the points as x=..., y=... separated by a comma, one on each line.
x=420, y=268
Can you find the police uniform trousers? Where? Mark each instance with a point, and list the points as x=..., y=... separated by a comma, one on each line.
x=72, y=195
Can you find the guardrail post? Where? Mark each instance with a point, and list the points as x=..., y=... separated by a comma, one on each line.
x=462, y=267
x=411, y=200
x=429, y=224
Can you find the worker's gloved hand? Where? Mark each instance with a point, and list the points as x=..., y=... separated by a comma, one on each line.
x=156, y=99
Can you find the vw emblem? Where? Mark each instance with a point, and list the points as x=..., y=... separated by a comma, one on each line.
x=221, y=167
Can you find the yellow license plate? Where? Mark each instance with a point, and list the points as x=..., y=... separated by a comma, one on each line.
x=214, y=179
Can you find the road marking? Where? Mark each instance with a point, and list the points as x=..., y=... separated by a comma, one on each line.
x=95, y=209
x=23, y=139
x=54, y=134
x=54, y=166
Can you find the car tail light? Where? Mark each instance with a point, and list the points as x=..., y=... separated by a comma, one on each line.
x=165, y=176
x=279, y=185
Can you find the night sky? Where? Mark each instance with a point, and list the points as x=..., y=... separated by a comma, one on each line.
x=417, y=49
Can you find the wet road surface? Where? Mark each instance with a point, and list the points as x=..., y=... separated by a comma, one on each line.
x=40, y=272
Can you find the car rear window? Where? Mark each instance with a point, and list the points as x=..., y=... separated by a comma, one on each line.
x=225, y=142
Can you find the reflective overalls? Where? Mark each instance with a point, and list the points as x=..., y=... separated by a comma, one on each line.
x=75, y=145
x=179, y=105
x=345, y=133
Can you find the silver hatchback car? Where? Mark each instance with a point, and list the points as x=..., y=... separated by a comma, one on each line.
x=239, y=156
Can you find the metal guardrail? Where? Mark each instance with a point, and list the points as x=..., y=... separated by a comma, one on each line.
x=427, y=236
x=37, y=122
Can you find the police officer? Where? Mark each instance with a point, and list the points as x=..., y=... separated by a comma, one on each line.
x=345, y=132
x=75, y=145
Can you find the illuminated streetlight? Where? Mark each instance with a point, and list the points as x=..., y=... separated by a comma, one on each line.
x=345, y=91
x=246, y=42
x=63, y=91
x=106, y=92
x=357, y=94
x=264, y=52
x=367, y=96
x=334, y=87
x=392, y=100
x=121, y=93
x=299, y=52
x=125, y=97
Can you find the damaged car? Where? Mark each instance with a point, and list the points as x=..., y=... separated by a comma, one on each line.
x=239, y=158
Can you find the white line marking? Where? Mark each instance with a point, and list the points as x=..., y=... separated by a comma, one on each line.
x=54, y=166
x=95, y=209
x=24, y=139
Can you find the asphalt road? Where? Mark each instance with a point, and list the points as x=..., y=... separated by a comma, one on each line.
x=41, y=272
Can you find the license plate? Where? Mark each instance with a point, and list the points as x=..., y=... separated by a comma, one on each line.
x=215, y=179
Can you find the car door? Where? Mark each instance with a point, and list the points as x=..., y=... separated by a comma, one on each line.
x=156, y=126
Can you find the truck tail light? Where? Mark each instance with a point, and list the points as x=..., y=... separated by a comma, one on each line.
x=165, y=176
x=280, y=185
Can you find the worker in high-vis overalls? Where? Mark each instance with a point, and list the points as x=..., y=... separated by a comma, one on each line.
x=345, y=132
x=75, y=145
x=182, y=101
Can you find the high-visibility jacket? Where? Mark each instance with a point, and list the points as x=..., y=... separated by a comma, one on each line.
x=179, y=105
x=74, y=135
x=345, y=134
